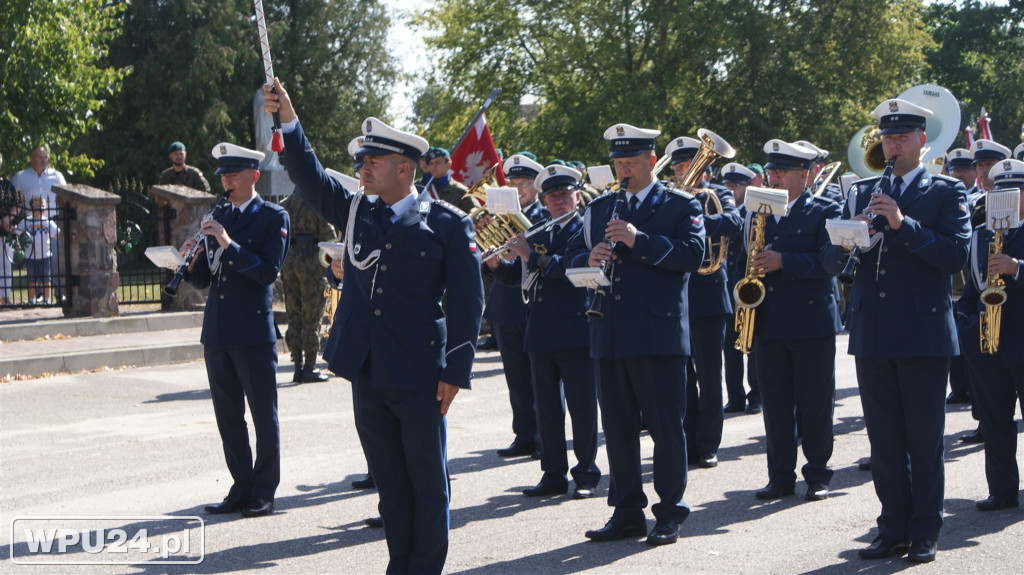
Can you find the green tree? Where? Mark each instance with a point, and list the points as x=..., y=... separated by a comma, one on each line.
x=197, y=66
x=750, y=70
x=979, y=57
x=54, y=79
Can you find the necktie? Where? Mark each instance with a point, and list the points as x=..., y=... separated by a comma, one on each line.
x=634, y=205
x=554, y=232
x=385, y=218
x=897, y=187
x=235, y=214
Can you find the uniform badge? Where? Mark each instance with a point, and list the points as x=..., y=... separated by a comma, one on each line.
x=540, y=248
x=369, y=126
x=424, y=207
x=356, y=248
x=981, y=144
x=223, y=149
x=775, y=146
x=515, y=160
x=1007, y=166
x=551, y=170
x=620, y=131
x=894, y=106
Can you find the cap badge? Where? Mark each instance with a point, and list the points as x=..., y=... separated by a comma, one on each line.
x=515, y=160
x=1006, y=166
x=981, y=145
x=369, y=126
x=894, y=106
x=775, y=146
x=551, y=170
x=620, y=131
x=958, y=153
x=223, y=149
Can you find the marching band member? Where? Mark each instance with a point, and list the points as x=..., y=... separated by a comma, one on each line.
x=710, y=312
x=998, y=378
x=832, y=191
x=736, y=178
x=642, y=343
x=406, y=357
x=796, y=359
x=961, y=166
x=902, y=332
x=506, y=311
x=558, y=340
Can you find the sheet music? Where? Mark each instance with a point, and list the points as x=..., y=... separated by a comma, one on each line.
x=848, y=233
x=766, y=201
x=587, y=277
x=334, y=249
x=165, y=257
x=503, y=200
x=1002, y=209
x=601, y=176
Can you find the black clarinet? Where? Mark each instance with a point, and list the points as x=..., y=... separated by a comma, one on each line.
x=850, y=269
x=608, y=265
x=171, y=288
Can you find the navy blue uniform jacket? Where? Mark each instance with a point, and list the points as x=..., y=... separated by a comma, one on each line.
x=800, y=301
x=710, y=294
x=904, y=307
x=394, y=306
x=557, y=314
x=239, y=309
x=646, y=311
x=1011, y=331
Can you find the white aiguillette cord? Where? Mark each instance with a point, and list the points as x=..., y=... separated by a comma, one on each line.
x=350, y=227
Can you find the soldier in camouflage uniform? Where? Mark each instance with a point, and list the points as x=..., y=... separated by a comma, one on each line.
x=305, y=288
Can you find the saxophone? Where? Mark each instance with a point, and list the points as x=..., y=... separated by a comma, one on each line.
x=749, y=291
x=993, y=297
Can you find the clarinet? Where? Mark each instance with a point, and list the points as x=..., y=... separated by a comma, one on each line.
x=608, y=265
x=850, y=269
x=171, y=288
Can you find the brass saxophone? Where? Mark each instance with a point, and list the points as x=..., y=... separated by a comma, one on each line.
x=749, y=291
x=993, y=297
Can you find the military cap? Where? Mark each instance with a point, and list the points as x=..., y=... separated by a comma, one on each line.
x=175, y=146
x=627, y=141
x=821, y=152
x=231, y=158
x=682, y=149
x=960, y=158
x=898, y=116
x=1018, y=152
x=988, y=150
x=520, y=166
x=436, y=153
x=556, y=177
x=380, y=139
x=785, y=156
x=733, y=172
x=1007, y=174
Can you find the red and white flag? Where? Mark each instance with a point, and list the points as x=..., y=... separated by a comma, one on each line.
x=475, y=155
x=983, y=130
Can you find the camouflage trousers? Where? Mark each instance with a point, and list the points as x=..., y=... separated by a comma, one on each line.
x=305, y=300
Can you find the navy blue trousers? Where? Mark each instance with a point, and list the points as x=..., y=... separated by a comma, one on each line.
x=703, y=422
x=404, y=439
x=904, y=407
x=796, y=372
x=237, y=375
x=560, y=379
x=654, y=386
x=734, y=371
x=516, y=362
x=997, y=390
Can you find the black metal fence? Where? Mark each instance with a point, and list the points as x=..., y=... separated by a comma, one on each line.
x=33, y=250
x=138, y=219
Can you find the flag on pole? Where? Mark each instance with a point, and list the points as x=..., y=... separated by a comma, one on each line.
x=476, y=154
x=969, y=136
x=983, y=130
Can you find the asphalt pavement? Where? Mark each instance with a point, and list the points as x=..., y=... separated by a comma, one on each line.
x=143, y=442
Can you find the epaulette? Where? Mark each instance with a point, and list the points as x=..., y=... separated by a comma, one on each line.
x=681, y=194
x=605, y=194
x=822, y=199
x=453, y=209
x=947, y=179
x=871, y=180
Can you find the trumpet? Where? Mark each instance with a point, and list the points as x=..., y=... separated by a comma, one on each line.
x=171, y=288
x=505, y=247
x=849, y=272
x=596, y=310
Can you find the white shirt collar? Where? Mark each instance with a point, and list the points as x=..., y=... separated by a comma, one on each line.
x=906, y=178
x=642, y=194
x=402, y=205
x=243, y=207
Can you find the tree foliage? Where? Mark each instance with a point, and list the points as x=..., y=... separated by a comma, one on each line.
x=979, y=56
x=197, y=67
x=750, y=70
x=53, y=79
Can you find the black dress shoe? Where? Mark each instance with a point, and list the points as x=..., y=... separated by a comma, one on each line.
x=864, y=465
x=816, y=492
x=958, y=398
x=375, y=522
x=665, y=531
x=518, y=449
x=973, y=437
x=733, y=408
x=487, y=342
x=545, y=489
x=258, y=507
x=364, y=483
x=582, y=492
x=994, y=503
x=883, y=547
x=708, y=460
x=754, y=408
x=773, y=491
x=618, y=528
x=229, y=505
x=921, y=551
x=314, y=376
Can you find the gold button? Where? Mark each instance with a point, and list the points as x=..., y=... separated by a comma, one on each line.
x=387, y=246
x=885, y=250
x=230, y=263
x=618, y=297
x=934, y=310
x=881, y=294
x=221, y=296
x=810, y=302
x=881, y=272
x=376, y=312
x=380, y=290
x=540, y=299
x=423, y=254
x=383, y=267
x=887, y=228
x=431, y=342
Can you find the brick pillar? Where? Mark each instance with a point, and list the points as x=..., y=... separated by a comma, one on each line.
x=183, y=209
x=91, y=263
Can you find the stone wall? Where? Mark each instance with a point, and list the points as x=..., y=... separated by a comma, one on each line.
x=187, y=208
x=91, y=262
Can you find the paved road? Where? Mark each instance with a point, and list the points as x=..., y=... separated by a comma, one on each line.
x=143, y=442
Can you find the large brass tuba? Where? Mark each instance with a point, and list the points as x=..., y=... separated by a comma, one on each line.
x=493, y=230
x=712, y=147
